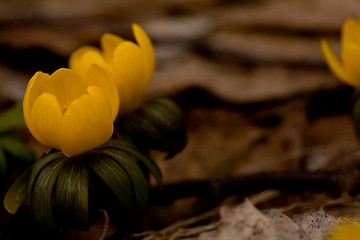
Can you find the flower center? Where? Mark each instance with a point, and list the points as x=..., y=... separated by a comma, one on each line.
x=65, y=107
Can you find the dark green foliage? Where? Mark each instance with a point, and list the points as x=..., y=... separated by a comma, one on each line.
x=58, y=186
x=71, y=195
x=17, y=192
x=10, y=144
x=41, y=196
x=129, y=148
x=12, y=118
x=157, y=124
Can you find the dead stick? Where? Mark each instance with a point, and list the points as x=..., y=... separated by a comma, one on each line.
x=345, y=180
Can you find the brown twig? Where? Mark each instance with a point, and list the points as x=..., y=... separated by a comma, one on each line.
x=340, y=181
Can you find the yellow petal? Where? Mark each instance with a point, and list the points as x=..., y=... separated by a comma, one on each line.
x=350, y=32
x=98, y=77
x=66, y=85
x=346, y=231
x=87, y=123
x=108, y=43
x=351, y=63
x=46, y=118
x=131, y=74
x=146, y=45
x=75, y=60
x=91, y=58
x=334, y=63
x=33, y=90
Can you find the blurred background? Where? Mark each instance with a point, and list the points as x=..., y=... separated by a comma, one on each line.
x=249, y=76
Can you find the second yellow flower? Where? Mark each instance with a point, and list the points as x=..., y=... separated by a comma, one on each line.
x=130, y=65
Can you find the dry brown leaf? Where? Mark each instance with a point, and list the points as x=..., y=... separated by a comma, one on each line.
x=246, y=222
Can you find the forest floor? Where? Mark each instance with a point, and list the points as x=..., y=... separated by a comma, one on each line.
x=267, y=120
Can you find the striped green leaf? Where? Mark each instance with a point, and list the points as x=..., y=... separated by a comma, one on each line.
x=71, y=196
x=139, y=183
x=41, y=196
x=129, y=148
x=115, y=177
x=17, y=192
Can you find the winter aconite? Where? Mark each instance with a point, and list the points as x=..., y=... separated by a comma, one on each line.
x=71, y=112
x=88, y=168
x=346, y=68
x=130, y=65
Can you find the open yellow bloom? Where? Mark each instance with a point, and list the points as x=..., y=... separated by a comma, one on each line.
x=346, y=231
x=130, y=65
x=70, y=112
x=347, y=67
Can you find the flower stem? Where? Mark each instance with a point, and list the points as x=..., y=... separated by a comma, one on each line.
x=106, y=224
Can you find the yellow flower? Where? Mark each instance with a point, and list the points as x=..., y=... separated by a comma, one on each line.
x=130, y=65
x=70, y=112
x=346, y=231
x=347, y=67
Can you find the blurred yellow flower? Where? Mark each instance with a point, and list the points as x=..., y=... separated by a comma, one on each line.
x=346, y=231
x=130, y=65
x=347, y=67
x=71, y=112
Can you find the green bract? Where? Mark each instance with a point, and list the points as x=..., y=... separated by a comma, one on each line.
x=158, y=124
x=59, y=187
